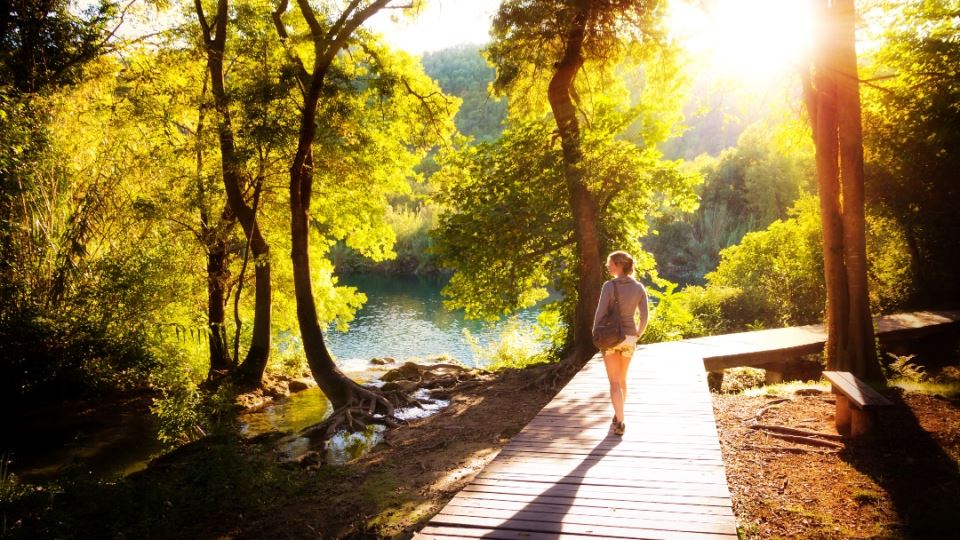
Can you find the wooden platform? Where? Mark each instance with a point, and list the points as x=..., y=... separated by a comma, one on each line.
x=765, y=346
x=566, y=476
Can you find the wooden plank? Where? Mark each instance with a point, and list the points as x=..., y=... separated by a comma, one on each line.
x=546, y=519
x=649, y=486
x=586, y=503
x=432, y=532
x=765, y=346
x=604, y=494
x=533, y=530
x=862, y=395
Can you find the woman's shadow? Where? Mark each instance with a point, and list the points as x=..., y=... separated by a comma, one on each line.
x=545, y=513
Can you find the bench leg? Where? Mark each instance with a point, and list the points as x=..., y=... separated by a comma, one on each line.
x=842, y=417
x=774, y=372
x=863, y=422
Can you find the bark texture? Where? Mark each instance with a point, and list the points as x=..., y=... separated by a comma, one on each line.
x=561, y=93
x=250, y=371
x=339, y=389
x=833, y=102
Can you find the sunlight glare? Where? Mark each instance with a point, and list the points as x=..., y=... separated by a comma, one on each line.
x=746, y=40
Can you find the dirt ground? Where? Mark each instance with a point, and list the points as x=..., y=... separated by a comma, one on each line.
x=394, y=490
x=902, y=483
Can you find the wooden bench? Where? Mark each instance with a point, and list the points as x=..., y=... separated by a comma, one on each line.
x=857, y=403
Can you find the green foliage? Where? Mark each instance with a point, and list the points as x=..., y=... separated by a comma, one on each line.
x=745, y=189
x=779, y=269
x=720, y=309
x=903, y=367
x=46, y=44
x=737, y=380
x=912, y=136
x=670, y=319
x=462, y=71
x=774, y=277
x=519, y=346
x=411, y=228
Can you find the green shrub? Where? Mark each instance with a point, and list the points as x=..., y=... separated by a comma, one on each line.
x=669, y=318
x=736, y=380
x=722, y=310
x=903, y=367
x=519, y=346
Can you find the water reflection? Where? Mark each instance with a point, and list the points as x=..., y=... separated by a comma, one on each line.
x=404, y=317
x=291, y=414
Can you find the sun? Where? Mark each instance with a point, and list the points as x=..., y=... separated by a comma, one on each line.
x=752, y=41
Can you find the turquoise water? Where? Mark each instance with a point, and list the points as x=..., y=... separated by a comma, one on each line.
x=403, y=318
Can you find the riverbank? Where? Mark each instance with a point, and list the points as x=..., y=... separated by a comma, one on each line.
x=904, y=483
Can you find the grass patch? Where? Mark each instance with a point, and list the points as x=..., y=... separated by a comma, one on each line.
x=950, y=389
x=866, y=496
x=786, y=389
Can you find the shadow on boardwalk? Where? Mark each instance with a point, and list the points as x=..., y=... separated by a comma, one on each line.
x=920, y=478
x=546, y=513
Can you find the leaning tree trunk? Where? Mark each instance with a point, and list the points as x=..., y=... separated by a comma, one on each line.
x=833, y=105
x=343, y=393
x=339, y=389
x=250, y=372
x=582, y=205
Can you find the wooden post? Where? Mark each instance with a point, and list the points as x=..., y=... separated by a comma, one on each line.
x=842, y=419
x=774, y=372
x=863, y=422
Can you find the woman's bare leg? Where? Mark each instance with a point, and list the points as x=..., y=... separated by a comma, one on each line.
x=624, y=368
x=612, y=362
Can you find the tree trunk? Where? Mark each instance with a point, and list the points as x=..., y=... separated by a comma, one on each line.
x=216, y=303
x=862, y=357
x=251, y=370
x=582, y=205
x=339, y=389
x=833, y=104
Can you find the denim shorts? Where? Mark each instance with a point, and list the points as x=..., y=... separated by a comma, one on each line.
x=625, y=347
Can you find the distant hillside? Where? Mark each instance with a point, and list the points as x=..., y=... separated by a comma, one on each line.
x=462, y=72
x=718, y=112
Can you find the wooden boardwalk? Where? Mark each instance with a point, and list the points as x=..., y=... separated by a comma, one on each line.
x=565, y=476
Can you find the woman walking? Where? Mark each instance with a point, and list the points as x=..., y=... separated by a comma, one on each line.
x=631, y=297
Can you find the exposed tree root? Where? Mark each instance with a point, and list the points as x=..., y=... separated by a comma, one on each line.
x=804, y=440
x=771, y=405
x=798, y=432
x=556, y=377
x=448, y=393
x=787, y=449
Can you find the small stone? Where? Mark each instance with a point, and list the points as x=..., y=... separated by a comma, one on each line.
x=383, y=361
x=297, y=386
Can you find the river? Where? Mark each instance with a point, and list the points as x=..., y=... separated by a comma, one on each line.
x=403, y=318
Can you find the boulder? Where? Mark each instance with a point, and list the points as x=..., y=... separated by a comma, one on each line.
x=408, y=371
x=383, y=361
